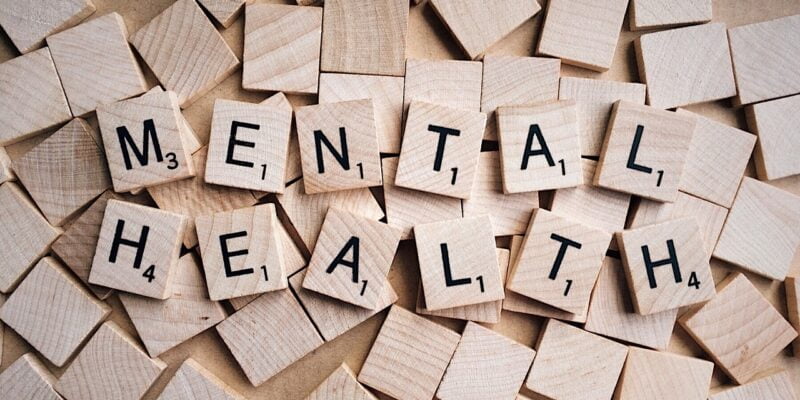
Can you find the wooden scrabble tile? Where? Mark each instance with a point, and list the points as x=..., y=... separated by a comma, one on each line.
x=378, y=28
x=64, y=172
x=28, y=378
x=509, y=213
x=511, y=80
x=338, y=146
x=95, y=63
x=499, y=19
x=773, y=122
x=441, y=169
x=164, y=324
x=666, y=265
x=185, y=51
x=31, y=312
x=6, y=172
x=653, y=374
x=25, y=235
x=224, y=11
x=137, y=249
x=450, y=83
x=334, y=317
x=248, y=146
x=777, y=386
x=644, y=151
x=582, y=33
x=130, y=160
x=595, y=98
x=409, y=356
x=559, y=261
x=190, y=141
x=193, y=381
x=263, y=350
x=341, y=385
x=793, y=308
x=31, y=98
x=111, y=366
x=649, y=14
x=775, y=215
x=739, y=328
x=406, y=208
x=27, y=25
x=386, y=93
x=702, y=54
x=611, y=312
x=765, y=59
x=572, y=363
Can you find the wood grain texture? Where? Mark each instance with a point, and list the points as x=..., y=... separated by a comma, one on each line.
x=28, y=378
x=653, y=374
x=649, y=14
x=793, y=308
x=2, y=326
x=739, y=328
x=293, y=165
x=185, y=51
x=6, y=172
x=190, y=141
x=193, y=381
x=341, y=385
x=777, y=387
x=773, y=122
x=28, y=23
x=451, y=83
x=224, y=11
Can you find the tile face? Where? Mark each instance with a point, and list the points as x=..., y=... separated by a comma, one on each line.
x=539, y=146
x=241, y=252
x=137, y=249
x=644, y=151
x=281, y=48
x=648, y=14
x=571, y=363
x=110, y=366
x=595, y=98
x=739, y=318
x=192, y=381
x=765, y=59
x=24, y=234
x=156, y=155
x=341, y=385
x=338, y=146
x=559, y=261
x=190, y=141
x=449, y=167
x=248, y=146
x=164, y=324
x=263, y=350
x=28, y=378
x=450, y=83
x=64, y=172
x=500, y=18
x=31, y=312
x=95, y=63
x=409, y=356
x=31, y=97
x=224, y=11
x=457, y=262
x=777, y=386
x=773, y=122
x=793, y=308
x=378, y=28
x=485, y=365
x=28, y=23
x=185, y=51
x=677, y=376
x=775, y=215
x=583, y=32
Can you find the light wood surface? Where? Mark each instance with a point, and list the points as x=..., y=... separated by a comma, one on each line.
x=193, y=381
x=451, y=83
x=28, y=378
x=793, y=309
x=773, y=121
x=224, y=12
x=777, y=386
x=341, y=385
x=28, y=23
x=678, y=377
x=650, y=14
x=6, y=172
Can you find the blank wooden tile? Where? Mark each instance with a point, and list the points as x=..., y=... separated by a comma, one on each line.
x=386, y=93
x=765, y=59
x=559, y=261
x=28, y=378
x=498, y=20
x=27, y=25
x=110, y=366
x=338, y=146
x=793, y=308
x=224, y=11
x=409, y=356
x=649, y=14
x=571, y=363
x=281, y=48
x=773, y=122
x=611, y=312
x=137, y=249
x=265, y=349
x=365, y=37
x=595, y=98
x=164, y=324
x=653, y=374
x=644, y=151
x=777, y=387
x=64, y=172
x=739, y=329
x=775, y=215
x=31, y=98
x=450, y=83
x=341, y=385
x=185, y=51
x=193, y=381
x=25, y=235
x=248, y=146
x=511, y=80
x=457, y=262
x=583, y=32
x=31, y=312
x=95, y=63
x=6, y=172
